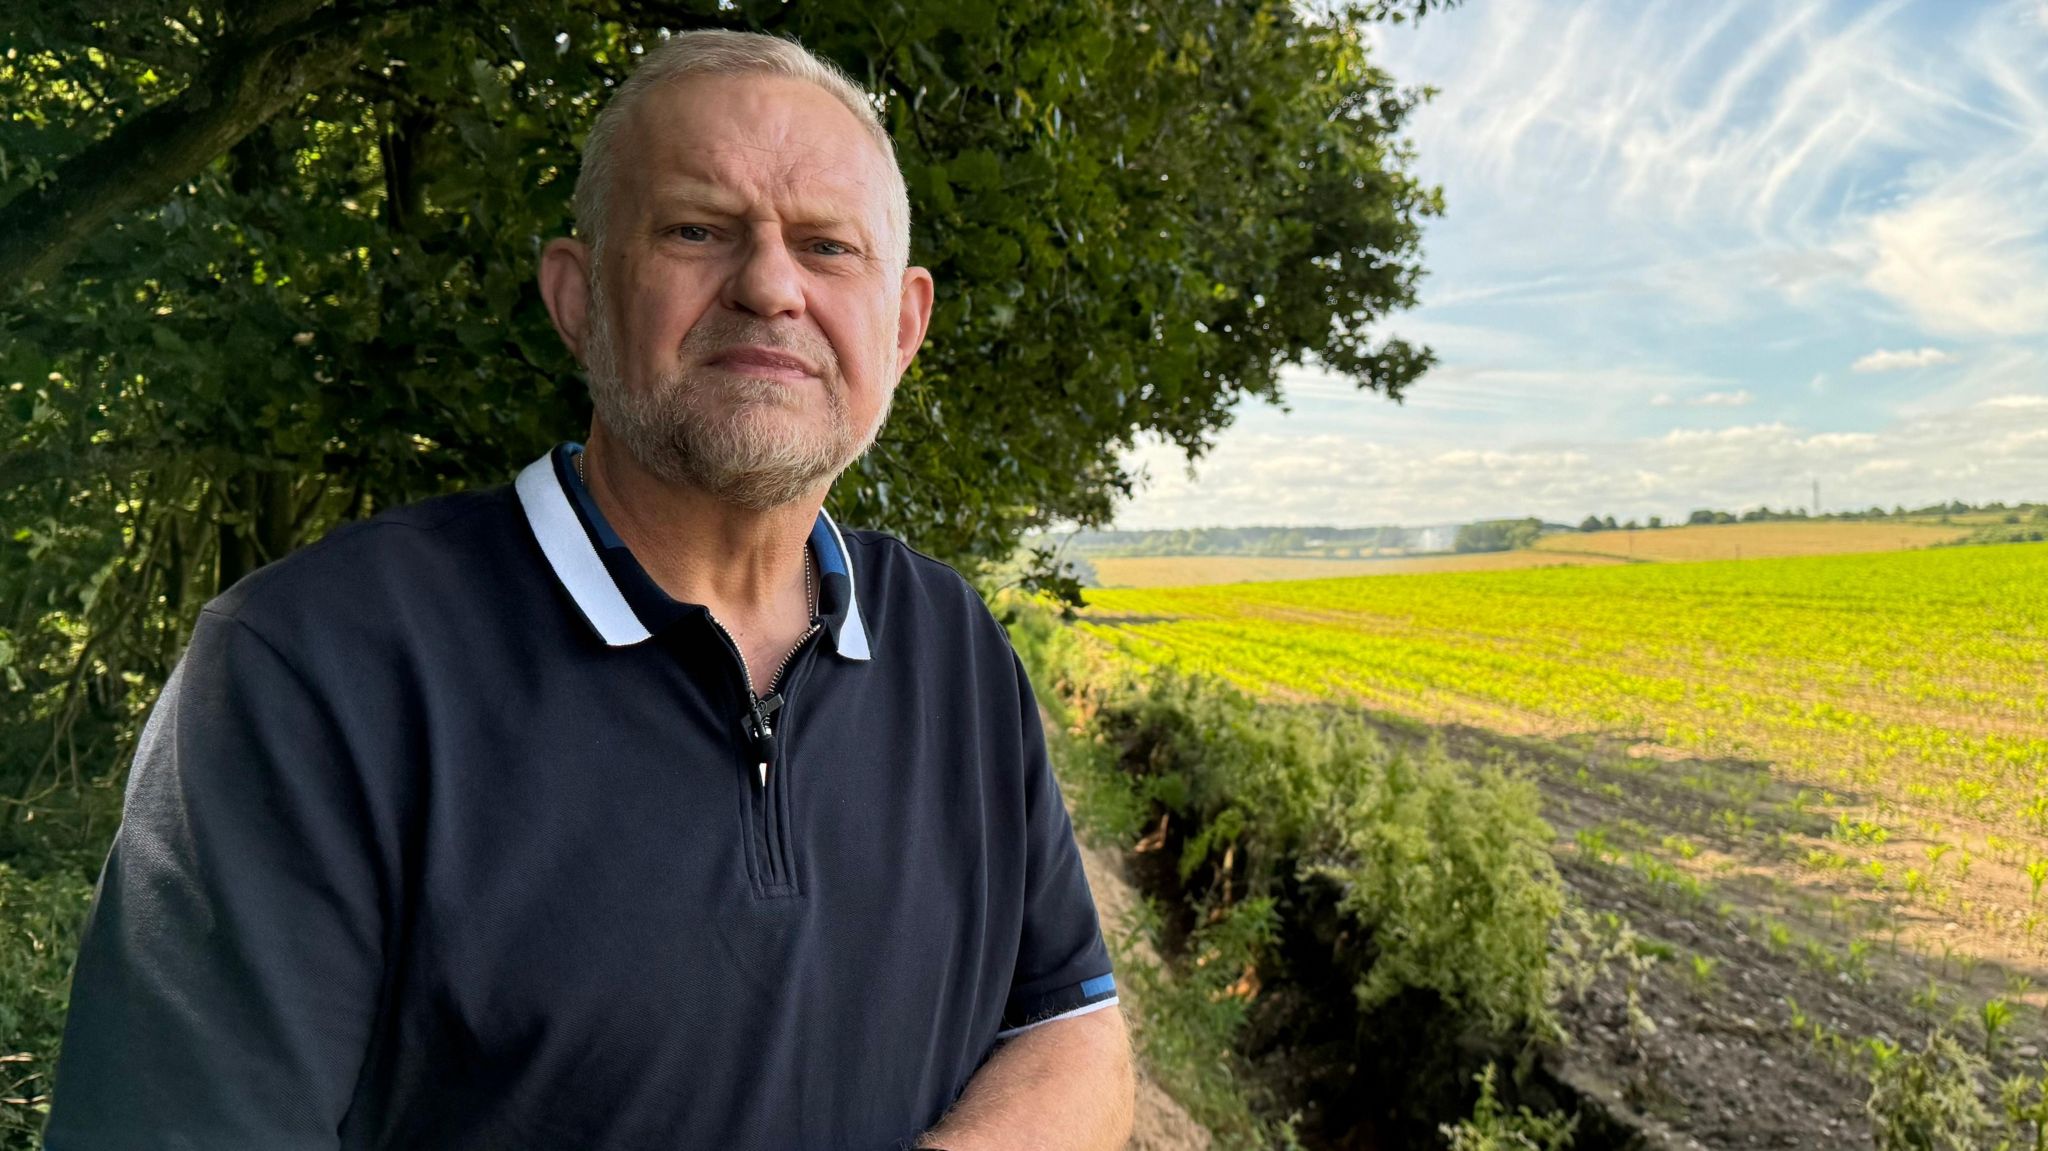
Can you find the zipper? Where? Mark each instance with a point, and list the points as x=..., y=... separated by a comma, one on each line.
x=758, y=721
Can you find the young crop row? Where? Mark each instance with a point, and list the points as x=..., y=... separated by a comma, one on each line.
x=1920, y=670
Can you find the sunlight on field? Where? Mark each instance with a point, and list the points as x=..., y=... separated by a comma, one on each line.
x=1190, y=571
x=1897, y=703
x=1754, y=541
x=1849, y=669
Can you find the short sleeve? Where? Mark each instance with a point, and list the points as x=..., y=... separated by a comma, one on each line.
x=230, y=969
x=1063, y=967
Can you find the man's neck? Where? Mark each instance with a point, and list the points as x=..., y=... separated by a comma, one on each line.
x=746, y=566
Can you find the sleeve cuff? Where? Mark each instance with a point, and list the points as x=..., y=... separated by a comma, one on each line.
x=1075, y=999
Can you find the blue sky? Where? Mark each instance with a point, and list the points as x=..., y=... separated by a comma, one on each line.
x=1693, y=255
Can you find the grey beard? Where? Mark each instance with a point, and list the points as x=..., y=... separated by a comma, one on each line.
x=726, y=455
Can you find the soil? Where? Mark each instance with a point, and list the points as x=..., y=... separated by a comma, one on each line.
x=1160, y=1123
x=1749, y=1025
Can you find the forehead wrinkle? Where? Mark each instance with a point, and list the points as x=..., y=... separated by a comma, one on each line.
x=760, y=150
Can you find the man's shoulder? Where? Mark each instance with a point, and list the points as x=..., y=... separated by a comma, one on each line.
x=372, y=570
x=907, y=593
x=885, y=567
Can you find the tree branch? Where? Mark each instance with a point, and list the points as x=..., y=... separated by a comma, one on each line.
x=136, y=165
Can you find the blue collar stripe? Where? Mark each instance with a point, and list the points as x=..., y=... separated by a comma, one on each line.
x=849, y=632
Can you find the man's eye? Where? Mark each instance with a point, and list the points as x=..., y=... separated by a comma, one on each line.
x=692, y=232
x=837, y=249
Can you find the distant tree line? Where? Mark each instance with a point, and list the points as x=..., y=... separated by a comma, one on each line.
x=1252, y=541
x=1498, y=535
x=2014, y=513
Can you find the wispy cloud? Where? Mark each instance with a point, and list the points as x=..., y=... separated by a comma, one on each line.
x=1886, y=361
x=1990, y=450
x=1666, y=218
x=1735, y=399
x=1824, y=138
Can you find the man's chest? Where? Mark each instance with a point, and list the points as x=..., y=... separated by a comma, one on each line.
x=603, y=887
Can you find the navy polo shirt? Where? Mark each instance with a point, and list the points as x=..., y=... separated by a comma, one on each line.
x=448, y=832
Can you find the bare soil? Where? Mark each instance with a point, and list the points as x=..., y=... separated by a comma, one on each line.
x=1749, y=1026
x=1160, y=1124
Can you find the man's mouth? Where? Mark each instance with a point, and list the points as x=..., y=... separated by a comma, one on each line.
x=764, y=362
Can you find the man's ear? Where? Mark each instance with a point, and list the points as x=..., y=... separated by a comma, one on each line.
x=913, y=316
x=565, y=288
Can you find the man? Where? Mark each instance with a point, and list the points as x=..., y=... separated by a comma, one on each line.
x=637, y=805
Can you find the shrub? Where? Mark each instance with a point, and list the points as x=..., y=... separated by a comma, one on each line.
x=1443, y=867
x=1927, y=1100
x=39, y=923
x=1493, y=1128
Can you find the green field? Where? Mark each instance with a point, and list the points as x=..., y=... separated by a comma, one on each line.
x=1817, y=779
x=1924, y=669
x=1899, y=699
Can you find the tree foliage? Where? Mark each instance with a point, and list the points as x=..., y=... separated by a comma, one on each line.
x=272, y=271
x=1498, y=535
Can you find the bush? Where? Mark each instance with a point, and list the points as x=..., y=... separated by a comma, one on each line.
x=1493, y=1128
x=1927, y=1100
x=39, y=922
x=1442, y=868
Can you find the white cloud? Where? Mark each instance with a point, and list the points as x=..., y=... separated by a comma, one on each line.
x=1660, y=215
x=1970, y=259
x=1738, y=398
x=1885, y=361
x=1980, y=452
x=1735, y=399
x=1809, y=152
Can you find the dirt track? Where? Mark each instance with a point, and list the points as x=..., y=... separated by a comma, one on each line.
x=1161, y=1123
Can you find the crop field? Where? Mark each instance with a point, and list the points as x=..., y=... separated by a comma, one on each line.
x=1767, y=540
x=1817, y=778
x=1185, y=571
x=1924, y=672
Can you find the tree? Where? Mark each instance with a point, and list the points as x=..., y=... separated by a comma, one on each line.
x=1656, y=522
x=295, y=290
x=1591, y=524
x=1498, y=535
x=270, y=270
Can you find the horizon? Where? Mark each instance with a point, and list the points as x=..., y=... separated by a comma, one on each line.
x=1722, y=257
x=1851, y=515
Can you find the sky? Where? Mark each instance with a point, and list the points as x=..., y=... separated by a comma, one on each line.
x=1693, y=255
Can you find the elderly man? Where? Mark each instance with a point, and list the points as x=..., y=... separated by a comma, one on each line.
x=637, y=804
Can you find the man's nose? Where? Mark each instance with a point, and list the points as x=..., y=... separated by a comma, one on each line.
x=767, y=280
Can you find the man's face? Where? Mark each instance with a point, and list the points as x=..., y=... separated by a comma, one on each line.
x=746, y=328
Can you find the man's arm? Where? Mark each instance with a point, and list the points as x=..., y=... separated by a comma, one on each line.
x=1066, y=1085
x=230, y=969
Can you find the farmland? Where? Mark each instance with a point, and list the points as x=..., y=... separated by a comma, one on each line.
x=1771, y=540
x=1817, y=779
x=1690, y=544
x=1183, y=571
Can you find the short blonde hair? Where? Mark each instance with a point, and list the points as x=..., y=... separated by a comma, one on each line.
x=718, y=52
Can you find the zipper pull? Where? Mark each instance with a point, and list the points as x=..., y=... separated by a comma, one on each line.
x=760, y=726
